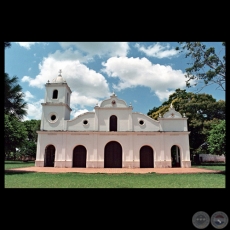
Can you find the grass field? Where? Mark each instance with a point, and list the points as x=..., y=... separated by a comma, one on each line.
x=213, y=166
x=100, y=180
x=18, y=164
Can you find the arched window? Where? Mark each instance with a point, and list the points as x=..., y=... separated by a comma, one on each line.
x=55, y=94
x=67, y=98
x=113, y=123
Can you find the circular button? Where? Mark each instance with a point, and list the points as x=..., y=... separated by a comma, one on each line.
x=219, y=220
x=201, y=220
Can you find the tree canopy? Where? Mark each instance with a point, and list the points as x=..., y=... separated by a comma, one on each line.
x=30, y=144
x=202, y=111
x=20, y=136
x=14, y=103
x=217, y=138
x=15, y=134
x=207, y=65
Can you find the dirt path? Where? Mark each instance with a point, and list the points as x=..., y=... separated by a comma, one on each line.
x=114, y=170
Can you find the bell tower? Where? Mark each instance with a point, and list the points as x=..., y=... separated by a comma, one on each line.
x=56, y=107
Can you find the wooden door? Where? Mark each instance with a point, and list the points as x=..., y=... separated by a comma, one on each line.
x=113, y=155
x=79, y=157
x=49, y=156
x=146, y=157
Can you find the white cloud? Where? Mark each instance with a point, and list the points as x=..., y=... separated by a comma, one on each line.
x=26, y=79
x=34, y=110
x=26, y=45
x=70, y=54
x=87, y=85
x=134, y=72
x=164, y=95
x=82, y=101
x=99, y=48
x=28, y=95
x=78, y=112
x=157, y=50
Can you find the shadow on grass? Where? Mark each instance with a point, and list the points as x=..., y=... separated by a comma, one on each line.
x=13, y=172
x=221, y=172
x=209, y=164
x=18, y=162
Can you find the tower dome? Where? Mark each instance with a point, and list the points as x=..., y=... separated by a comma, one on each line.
x=59, y=78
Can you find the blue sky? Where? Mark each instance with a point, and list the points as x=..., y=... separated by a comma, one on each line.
x=141, y=73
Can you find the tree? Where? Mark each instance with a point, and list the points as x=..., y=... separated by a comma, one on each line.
x=201, y=110
x=30, y=144
x=217, y=139
x=208, y=65
x=15, y=134
x=14, y=109
x=13, y=102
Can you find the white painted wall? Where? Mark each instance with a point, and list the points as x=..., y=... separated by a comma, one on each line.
x=149, y=123
x=124, y=118
x=66, y=134
x=173, y=124
x=77, y=124
x=62, y=92
x=118, y=103
x=211, y=157
x=131, y=143
x=60, y=111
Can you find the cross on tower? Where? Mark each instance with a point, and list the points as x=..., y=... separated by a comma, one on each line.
x=60, y=72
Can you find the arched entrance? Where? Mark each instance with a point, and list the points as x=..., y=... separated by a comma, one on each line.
x=113, y=123
x=113, y=155
x=49, y=157
x=175, y=156
x=79, y=156
x=146, y=157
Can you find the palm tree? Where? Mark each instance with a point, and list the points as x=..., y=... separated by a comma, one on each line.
x=14, y=103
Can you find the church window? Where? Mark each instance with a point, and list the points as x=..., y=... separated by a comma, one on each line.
x=85, y=122
x=53, y=117
x=141, y=122
x=55, y=94
x=113, y=123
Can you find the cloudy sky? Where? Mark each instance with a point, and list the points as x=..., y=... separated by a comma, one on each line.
x=141, y=73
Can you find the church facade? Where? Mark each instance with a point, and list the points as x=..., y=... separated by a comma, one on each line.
x=113, y=136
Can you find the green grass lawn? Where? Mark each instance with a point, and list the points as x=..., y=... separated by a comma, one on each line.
x=101, y=180
x=213, y=166
x=18, y=164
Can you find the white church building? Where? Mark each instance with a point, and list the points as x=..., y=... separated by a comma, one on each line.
x=113, y=136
